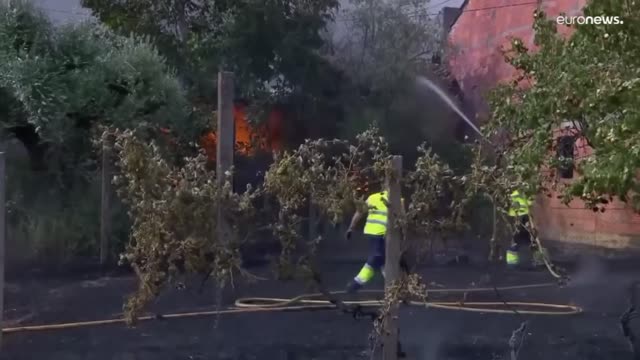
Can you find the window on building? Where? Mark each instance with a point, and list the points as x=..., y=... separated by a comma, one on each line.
x=566, y=157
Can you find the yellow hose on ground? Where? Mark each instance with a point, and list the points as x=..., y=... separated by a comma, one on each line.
x=307, y=302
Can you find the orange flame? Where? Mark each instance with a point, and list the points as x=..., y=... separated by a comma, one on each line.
x=249, y=140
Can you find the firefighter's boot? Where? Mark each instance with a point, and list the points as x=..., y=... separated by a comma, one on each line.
x=353, y=287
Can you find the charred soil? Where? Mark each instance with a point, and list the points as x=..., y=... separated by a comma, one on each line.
x=427, y=334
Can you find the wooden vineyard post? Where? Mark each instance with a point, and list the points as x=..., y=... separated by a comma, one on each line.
x=225, y=140
x=392, y=263
x=105, y=201
x=3, y=233
x=313, y=221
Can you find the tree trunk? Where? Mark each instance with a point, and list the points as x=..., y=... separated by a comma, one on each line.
x=105, y=202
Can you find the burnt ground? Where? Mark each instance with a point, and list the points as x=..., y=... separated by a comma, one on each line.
x=427, y=334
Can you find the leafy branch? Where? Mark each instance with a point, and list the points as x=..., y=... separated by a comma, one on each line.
x=173, y=210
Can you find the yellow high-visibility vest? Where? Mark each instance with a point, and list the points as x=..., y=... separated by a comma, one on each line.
x=519, y=204
x=377, y=215
x=513, y=258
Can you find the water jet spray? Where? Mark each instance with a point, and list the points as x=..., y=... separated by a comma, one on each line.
x=447, y=100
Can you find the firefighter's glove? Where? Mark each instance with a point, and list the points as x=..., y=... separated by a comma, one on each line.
x=348, y=234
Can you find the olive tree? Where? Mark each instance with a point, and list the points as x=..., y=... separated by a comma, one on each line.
x=62, y=82
x=57, y=86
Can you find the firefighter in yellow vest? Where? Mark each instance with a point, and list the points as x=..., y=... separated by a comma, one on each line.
x=375, y=231
x=520, y=208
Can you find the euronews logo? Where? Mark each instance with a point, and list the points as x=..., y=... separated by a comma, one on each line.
x=589, y=20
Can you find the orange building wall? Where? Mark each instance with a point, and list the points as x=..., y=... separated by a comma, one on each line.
x=475, y=41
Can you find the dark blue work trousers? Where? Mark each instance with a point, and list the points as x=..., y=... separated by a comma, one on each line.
x=377, y=251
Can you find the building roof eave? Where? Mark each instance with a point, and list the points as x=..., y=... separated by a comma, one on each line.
x=462, y=7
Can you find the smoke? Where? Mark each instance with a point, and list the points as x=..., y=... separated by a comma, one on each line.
x=590, y=271
x=431, y=346
x=376, y=41
x=381, y=47
x=338, y=30
x=423, y=343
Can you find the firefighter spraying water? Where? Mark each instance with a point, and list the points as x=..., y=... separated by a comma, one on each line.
x=520, y=205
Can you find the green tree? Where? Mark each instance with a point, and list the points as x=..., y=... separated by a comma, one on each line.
x=62, y=82
x=58, y=86
x=271, y=46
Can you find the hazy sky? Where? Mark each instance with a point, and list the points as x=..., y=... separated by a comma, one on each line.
x=339, y=29
x=63, y=11
x=436, y=5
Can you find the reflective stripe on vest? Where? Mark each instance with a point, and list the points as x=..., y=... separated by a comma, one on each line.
x=519, y=204
x=512, y=257
x=377, y=214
